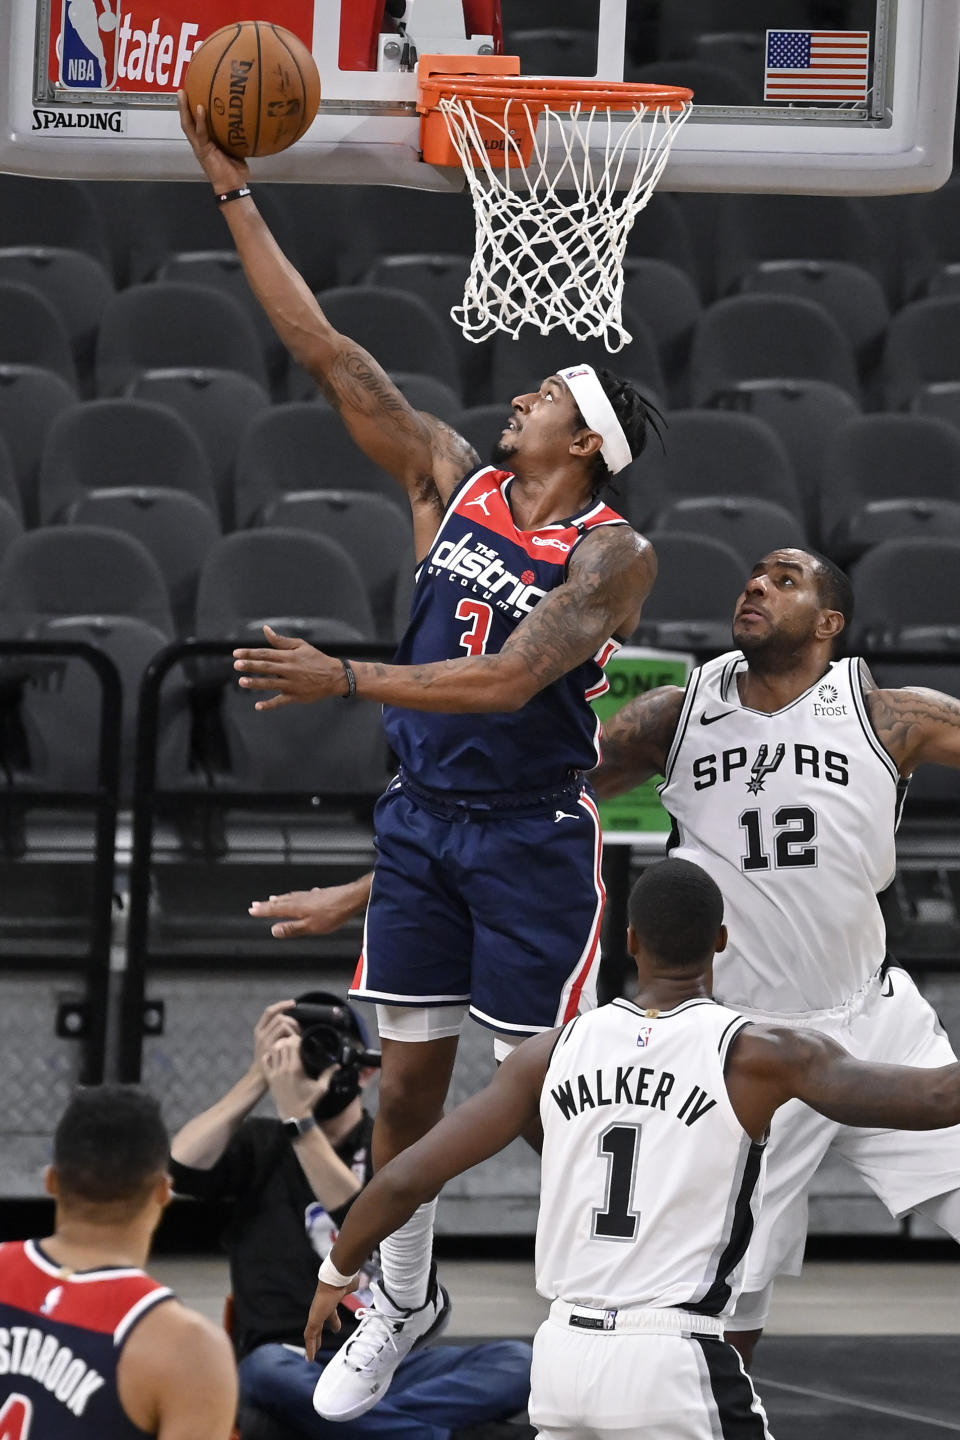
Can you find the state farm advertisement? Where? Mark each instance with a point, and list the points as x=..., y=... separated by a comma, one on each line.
x=144, y=46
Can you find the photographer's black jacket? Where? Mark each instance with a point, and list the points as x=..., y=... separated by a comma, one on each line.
x=273, y=1265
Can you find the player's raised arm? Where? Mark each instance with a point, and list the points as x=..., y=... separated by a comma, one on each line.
x=917, y=726
x=610, y=576
x=769, y=1065
x=636, y=741
x=477, y=1129
x=425, y=455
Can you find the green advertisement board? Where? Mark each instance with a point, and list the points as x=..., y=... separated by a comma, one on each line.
x=632, y=672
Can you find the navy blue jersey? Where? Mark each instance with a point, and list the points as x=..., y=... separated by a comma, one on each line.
x=483, y=575
x=61, y=1337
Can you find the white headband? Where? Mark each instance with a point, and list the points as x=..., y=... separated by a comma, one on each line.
x=594, y=405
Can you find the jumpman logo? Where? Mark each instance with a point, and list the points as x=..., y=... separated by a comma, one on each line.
x=563, y=815
x=482, y=500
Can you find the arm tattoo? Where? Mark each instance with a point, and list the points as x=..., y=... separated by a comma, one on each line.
x=386, y=426
x=610, y=576
x=916, y=725
x=637, y=740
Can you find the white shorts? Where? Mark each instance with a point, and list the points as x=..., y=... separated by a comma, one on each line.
x=895, y=1026
x=597, y=1385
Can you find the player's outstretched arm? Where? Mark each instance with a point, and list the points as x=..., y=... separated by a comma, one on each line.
x=477, y=1129
x=769, y=1065
x=425, y=455
x=319, y=911
x=611, y=574
x=636, y=741
x=917, y=726
x=177, y=1377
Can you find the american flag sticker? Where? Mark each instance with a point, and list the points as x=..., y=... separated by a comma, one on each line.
x=817, y=65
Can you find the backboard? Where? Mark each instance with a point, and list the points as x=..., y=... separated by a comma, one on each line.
x=809, y=96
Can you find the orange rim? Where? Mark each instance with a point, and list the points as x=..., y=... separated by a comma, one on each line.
x=559, y=93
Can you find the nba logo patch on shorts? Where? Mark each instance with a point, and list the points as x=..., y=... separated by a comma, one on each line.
x=88, y=44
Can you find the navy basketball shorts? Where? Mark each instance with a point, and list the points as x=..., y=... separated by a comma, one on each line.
x=498, y=911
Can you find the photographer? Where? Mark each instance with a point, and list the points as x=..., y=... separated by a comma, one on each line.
x=289, y=1182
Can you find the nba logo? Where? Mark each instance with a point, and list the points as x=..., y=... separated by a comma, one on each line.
x=643, y=1036
x=88, y=44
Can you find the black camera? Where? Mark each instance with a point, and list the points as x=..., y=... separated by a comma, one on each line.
x=330, y=1035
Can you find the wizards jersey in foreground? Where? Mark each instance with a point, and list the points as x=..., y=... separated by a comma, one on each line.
x=61, y=1337
x=794, y=816
x=649, y=1184
x=484, y=575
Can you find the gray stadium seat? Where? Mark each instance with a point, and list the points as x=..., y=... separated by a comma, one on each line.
x=887, y=477
x=61, y=721
x=749, y=526
x=922, y=348
x=152, y=327
x=178, y=530
x=278, y=576
x=942, y=401
x=39, y=212
x=30, y=400
x=805, y=414
x=399, y=329
x=667, y=299
x=379, y=221
x=10, y=526
x=221, y=270
x=302, y=446
x=851, y=294
x=373, y=531
x=717, y=453
x=77, y=286
x=754, y=337
x=752, y=228
x=906, y=597
x=328, y=747
x=32, y=333
x=103, y=444
x=82, y=570
x=697, y=585
x=218, y=405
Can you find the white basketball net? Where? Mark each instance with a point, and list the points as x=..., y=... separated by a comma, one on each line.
x=547, y=258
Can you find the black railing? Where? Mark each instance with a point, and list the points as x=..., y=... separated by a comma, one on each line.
x=20, y=793
x=204, y=802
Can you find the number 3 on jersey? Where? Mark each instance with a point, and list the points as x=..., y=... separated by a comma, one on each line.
x=15, y=1417
x=480, y=614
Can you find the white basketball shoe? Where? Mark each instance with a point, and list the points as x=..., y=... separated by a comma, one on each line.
x=360, y=1373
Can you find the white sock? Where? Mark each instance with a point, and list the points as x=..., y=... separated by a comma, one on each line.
x=405, y=1256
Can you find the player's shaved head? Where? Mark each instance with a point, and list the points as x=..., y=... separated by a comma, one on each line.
x=676, y=911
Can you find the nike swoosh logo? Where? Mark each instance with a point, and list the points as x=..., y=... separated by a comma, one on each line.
x=712, y=719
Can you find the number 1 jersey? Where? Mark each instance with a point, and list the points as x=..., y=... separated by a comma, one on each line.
x=650, y=1185
x=482, y=577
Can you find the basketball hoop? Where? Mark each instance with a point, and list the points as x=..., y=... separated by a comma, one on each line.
x=543, y=257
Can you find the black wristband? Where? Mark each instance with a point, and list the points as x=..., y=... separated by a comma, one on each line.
x=229, y=195
x=351, y=680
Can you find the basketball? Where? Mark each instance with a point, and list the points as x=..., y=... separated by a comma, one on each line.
x=258, y=84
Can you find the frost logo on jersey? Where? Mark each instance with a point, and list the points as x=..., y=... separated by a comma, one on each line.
x=827, y=695
x=644, y=1035
x=52, y=1300
x=481, y=500
x=88, y=47
x=763, y=767
x=482, y=565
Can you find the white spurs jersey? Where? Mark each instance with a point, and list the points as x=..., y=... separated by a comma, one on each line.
x=649, y=1186
x=794, y=815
